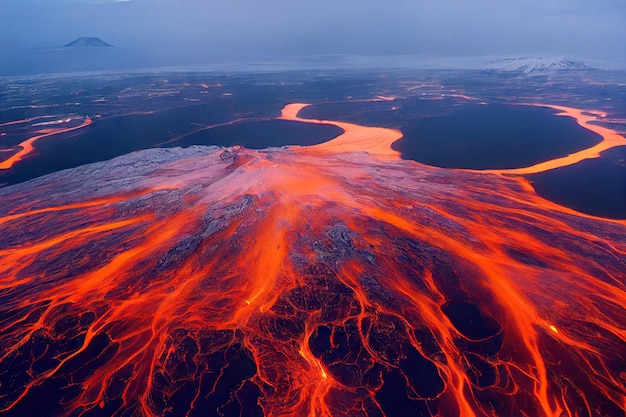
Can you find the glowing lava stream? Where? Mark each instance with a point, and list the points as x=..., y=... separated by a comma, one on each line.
x=356, y=138
x=610, y=139
x=306, y=282
x=27, y=145
x=377, y=141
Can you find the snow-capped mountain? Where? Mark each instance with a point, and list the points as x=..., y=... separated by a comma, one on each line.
x=529, y=65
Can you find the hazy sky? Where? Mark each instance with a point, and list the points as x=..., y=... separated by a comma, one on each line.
x=257, y=29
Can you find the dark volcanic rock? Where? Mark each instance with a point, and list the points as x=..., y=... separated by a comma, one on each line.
x=91, y=42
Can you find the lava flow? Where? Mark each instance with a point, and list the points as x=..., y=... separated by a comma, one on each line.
x=376, y=141
x=304, y=282
x=27, y=146
x=585, y=118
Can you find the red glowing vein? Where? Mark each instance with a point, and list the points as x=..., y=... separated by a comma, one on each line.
x=382, y=145
x=239, y=278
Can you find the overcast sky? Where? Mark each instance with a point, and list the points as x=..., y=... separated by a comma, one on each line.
x=257, y=29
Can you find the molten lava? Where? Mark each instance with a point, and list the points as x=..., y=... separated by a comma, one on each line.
x=374, y=140
x=26, y=147
x=585, y=118
x=306, y=282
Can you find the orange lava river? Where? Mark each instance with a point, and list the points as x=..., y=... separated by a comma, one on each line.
x=309, y=282
x=610, y=139
x=27, y=146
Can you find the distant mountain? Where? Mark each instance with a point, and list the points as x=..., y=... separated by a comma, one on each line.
x=530, y=65
x=89, y=42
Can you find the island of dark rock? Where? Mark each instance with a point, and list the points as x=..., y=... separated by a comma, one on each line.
x=89, y=42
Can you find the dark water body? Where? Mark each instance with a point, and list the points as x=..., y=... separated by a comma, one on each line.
x=594, y=186
x=261, y=134
x=107, y=139
x=377, y=113
x=394, y=114
x=493, y=136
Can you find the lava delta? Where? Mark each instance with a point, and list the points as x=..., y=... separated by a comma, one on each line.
x=304, y=281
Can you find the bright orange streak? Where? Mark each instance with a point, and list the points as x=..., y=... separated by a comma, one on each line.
x=29, y=250
x=376, y=141
x=27, y=145
x=93, y=203
x=610, y=139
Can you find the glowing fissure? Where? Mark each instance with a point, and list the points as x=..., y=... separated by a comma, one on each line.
x=311, y=282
